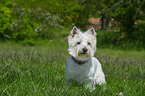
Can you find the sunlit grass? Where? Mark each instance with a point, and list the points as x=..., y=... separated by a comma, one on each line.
x=26, y=70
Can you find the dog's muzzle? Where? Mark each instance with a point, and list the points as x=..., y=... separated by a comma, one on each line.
x=85, y=50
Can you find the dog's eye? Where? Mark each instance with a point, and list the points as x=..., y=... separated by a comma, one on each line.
x=78, y=43
x=89, y=43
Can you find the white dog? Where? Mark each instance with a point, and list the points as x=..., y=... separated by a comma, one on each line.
x=82, y=67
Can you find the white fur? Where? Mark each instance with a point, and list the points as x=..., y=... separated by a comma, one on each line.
x=91, y=71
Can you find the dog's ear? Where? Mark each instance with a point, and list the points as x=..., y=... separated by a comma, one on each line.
x=92, y=31
x=74, y=31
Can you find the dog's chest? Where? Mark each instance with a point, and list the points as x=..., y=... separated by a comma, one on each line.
x=82, y=72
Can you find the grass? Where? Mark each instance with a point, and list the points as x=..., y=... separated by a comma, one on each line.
x=36, y=71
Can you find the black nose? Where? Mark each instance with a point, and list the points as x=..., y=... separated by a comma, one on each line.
x=85, y=49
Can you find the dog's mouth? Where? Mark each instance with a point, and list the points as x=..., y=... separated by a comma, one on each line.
x=83, y=53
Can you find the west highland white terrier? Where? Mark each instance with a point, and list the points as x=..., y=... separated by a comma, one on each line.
x=82, y=67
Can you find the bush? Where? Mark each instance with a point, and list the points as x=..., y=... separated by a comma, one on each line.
x=28, y=20
x=140, y=33
x=6, y=20
x=105, y=38
x=23, y=27
x=26, y=24
x=117, y=40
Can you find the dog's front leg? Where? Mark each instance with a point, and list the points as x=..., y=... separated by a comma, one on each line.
x=100, y=77
x=91, y=84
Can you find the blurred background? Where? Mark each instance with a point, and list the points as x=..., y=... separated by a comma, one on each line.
x=119, y=23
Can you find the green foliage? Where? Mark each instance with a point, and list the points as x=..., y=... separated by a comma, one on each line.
x=127, y=14
x=26, y=21
x=105, y=38
x=31, y=22
x=24, y=29
x=25, y=25
x=116, y=40
x=6, y=19
x=140, y=33
x=71, y=11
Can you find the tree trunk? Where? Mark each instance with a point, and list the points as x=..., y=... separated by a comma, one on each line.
x=103, y=22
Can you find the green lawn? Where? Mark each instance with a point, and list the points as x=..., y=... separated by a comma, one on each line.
x=36, y=71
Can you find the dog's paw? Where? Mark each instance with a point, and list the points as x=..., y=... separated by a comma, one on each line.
x=100, y=81
x=90, y=87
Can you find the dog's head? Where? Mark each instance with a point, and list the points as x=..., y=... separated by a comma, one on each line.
x=82, y=46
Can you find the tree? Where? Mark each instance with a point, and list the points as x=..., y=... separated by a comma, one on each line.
x=126, y=13
x=101, y=8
